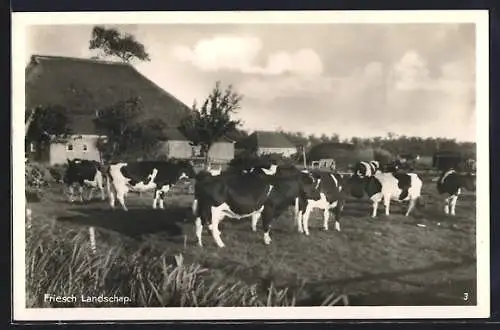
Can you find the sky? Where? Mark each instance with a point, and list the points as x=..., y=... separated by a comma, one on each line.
x=350, y=79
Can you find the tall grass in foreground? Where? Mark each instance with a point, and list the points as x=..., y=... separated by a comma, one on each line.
x=59, y=261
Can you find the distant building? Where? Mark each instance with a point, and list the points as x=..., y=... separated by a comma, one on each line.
x=179, y=147
x=445, y=160
x=265, y=142
x=84, y=86
x=345, y=155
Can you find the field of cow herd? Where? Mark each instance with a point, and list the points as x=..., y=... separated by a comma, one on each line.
x=153, y=257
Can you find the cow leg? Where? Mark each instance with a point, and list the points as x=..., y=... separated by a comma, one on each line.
x=99, y=183
x=447, y=205
x=71, y=193
x=202, y=215
x=103, y=194
x=255, y=219
x=326, y=215
x=91, y=193
x=374, y=208
x=453, y=204
x=156, y=197
x=217, y=217
x=80, y=191
x=267, y=218
x=387, y=204
x=305, y=219
x=297, y=213
x=338, y=212
x=411, y=206
x=162, y=200
x=163, y=192
x=300, y=215
x=199, y=230
x=111, y=196
x=120, y=195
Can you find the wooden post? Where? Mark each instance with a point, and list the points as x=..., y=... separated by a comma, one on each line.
x=304, y=157
x=28, y=218
x=92, y=239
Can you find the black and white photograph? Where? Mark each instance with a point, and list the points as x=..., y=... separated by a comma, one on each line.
x=332, y=164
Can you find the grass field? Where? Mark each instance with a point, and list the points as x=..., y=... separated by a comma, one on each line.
x=382, y=261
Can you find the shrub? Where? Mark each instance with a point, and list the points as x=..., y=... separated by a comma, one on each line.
x=35, y=179
x=383, y=156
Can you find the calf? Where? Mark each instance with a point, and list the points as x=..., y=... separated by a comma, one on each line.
x=326, y=194
x=142, y=176
x=84, y=173
x=451, y=183
x=386, y=187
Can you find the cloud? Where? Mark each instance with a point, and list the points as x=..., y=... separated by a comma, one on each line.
x=269, y=88
x=412, y=73
x=240, y=53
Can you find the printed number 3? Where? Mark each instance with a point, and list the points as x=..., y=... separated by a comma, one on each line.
x=466, y=296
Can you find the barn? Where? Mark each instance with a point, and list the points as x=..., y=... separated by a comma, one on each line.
x=445, y=159
x=266, y=142
x=83, y=86
x=344, y=154
x=179, y=147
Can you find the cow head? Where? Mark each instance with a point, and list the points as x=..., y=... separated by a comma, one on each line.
x=186, y=171
x=363, y=170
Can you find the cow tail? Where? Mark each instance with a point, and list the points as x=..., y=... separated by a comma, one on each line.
x=106, y=170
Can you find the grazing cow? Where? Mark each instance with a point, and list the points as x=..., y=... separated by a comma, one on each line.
x=451, y=183
x=141, y=176
x=236, y=195
x=239, y=195
x=84, y=173
x=386, y=187
x=327, y=195
x=318, y=189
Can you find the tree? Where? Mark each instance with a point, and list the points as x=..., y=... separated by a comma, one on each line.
x=112, y=43
x=46, y=122
x=210, y=122
x=125, y=132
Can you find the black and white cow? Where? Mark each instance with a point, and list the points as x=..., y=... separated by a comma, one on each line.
x=142, y=176
x=308, y=191
x=451, y=183
x=240, y=195
x=386, y=187
x=232, y=194
x=85, y=173
x=326, y=194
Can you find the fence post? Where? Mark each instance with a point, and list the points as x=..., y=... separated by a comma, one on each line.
x=92, y=239
x=28, y=218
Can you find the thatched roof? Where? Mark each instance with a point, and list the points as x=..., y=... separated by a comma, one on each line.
x=266, y=139
x=84, y=86
x=174, y=134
